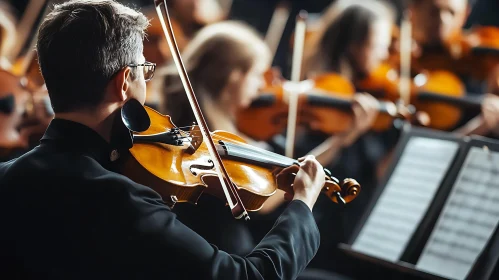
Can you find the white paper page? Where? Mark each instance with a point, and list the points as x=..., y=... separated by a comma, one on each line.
x=468, y=219
x=406, y=198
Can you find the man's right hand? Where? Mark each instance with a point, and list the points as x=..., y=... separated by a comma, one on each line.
x=308, y=182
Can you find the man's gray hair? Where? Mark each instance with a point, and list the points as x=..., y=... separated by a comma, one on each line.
x=82, y=44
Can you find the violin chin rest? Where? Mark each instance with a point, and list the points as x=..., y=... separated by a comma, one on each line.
x=134, y=116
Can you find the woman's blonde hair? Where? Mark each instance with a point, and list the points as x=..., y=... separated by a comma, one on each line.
x=7, y=33
x=210, y=58
x=345, y=22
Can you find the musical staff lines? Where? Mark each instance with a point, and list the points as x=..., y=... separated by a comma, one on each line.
x=407, y=196
x=468, y=219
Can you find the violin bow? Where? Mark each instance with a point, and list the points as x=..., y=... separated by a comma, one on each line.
x=405, y=58
x=299, y=43
x=276, y=26
x=237, y=208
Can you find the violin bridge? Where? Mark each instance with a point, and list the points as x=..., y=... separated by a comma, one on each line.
x=196, y=139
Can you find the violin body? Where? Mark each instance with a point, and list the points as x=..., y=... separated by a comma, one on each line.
x=430, y=95
x=181, y=173
x=336, y=86
x=267, y=115
x=474, y=52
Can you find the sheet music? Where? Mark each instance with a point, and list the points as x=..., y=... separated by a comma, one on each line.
x=468, y=219
x=406, y=197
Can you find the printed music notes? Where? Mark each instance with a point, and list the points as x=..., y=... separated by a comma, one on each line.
x=468, y=219
x=406, y=197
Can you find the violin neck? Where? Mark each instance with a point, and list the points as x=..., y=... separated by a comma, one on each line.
x=465, y=102
x=253, y=155
x=317, y=100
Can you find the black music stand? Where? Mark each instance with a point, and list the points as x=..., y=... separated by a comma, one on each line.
x=406, y=263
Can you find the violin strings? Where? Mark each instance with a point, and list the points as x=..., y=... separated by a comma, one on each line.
x=183, y=127
x=248, y=149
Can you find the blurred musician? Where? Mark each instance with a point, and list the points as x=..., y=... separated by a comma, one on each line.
x=353, y=41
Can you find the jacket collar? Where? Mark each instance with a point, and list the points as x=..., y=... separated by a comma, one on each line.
x=80, y=138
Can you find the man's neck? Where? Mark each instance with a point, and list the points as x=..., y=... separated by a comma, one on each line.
x=99, y=120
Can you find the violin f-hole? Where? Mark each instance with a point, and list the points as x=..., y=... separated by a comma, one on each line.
x=210, y=166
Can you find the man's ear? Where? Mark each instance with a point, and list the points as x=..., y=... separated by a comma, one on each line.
x=121, y=83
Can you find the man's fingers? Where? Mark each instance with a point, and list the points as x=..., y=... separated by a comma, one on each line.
x=307, y=157
x=290, y=169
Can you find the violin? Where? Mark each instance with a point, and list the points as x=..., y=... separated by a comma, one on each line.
x=440, y=94
x=325, y=97
x=177, y=165
x=182, y=165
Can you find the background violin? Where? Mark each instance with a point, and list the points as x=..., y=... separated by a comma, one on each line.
x=324, y=98
x=439, y=93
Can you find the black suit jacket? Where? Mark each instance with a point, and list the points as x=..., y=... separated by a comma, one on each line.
x=65, y=214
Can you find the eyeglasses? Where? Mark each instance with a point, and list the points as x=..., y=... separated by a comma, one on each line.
x=149, y=69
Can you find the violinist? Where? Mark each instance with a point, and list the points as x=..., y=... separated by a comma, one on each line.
x=353, y=41
x=358, y=53
x=67, y=214
x=364, y=28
